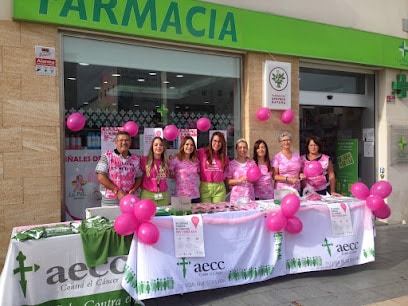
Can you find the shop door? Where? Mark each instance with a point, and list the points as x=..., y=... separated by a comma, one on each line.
x=337, y=114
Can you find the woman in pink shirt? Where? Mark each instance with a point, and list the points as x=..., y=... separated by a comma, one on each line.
x=242, y=190
x=155, y=167
x=287, y=165
x=213, y=161
x=185, y=169
x=264, y=186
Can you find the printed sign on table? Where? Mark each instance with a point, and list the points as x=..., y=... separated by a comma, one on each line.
x=340, y=219
x=188, y=236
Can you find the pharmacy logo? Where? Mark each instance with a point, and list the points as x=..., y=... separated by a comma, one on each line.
x=22, y=271
x=402, y=143
x=278, y=78
x=403, y=48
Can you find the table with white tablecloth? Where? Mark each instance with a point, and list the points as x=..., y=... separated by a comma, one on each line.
x=239, y=249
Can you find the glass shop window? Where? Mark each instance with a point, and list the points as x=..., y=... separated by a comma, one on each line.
x=115, y=82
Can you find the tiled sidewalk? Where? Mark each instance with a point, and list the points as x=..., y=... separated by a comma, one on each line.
x=383, y=282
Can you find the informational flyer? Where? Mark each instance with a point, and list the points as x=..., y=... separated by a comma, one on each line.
x=340, y=219
x=45, y=63
x=187, y=132
x=188, y=236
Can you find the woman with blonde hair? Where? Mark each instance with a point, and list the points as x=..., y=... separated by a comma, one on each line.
x=242, y=190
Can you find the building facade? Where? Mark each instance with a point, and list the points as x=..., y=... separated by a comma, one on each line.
x=346, y=73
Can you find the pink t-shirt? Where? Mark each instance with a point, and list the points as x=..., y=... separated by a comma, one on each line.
x=213, y=173
x=318, y=182
x=156, y=179
x=244, y=191
x=287, y=167
x=186, y=175
x=263, y=187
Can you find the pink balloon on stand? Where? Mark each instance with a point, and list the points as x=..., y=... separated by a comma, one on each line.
x=375, y=202
x=203, y=124
x=148, y=233
x=76, y=122
x=145, y=210
x=263, y=113
x=276, y=222
x=253, y=173
x=131, y=127
x=170, y=132
x=290, y=205
x=127, y=203
x=381, y=188
x=383, y=213
x=294, y=225
x=360, y=190
x=125, y=224
x=287, y=116
x=313, y=168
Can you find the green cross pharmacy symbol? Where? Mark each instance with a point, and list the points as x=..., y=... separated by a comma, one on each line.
x=163, y=110
x=401, y=86
x=402, y=143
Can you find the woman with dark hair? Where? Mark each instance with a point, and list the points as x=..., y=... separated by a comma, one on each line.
x=185, y=169
x=213, y=162
x=264, y=186
x=326, y=182
x=155, y=167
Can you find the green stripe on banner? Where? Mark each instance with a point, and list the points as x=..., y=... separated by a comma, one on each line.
x=209, y=24
x=119, y=297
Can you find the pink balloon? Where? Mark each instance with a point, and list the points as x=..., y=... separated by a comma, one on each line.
x=294, y=225
x=127, y=203
x=170, y=132
x=290, y=205
x=125, y=224
x=375, y=202
x=360, y=190
x=263, y=113
x=148, y=233
x=203, y=124
x=131, y=127
x=276, y=222
x=383, y=213
x=253, y=173
x=145, y=210
x=381, y=188
x=287, y=116
x=76, y=122
x=312, y=168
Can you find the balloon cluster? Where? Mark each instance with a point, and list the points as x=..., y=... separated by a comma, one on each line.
x=264, y=113
x=285, y=218
x=135, y=218
x=374, y=197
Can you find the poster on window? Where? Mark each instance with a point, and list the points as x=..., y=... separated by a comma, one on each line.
x=149, y=134
x=187, y=132
x=276, y=85
x=108, y=135
x=346, y=165
x=81, y=182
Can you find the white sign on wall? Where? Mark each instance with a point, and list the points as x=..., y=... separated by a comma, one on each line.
x=276, y=85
